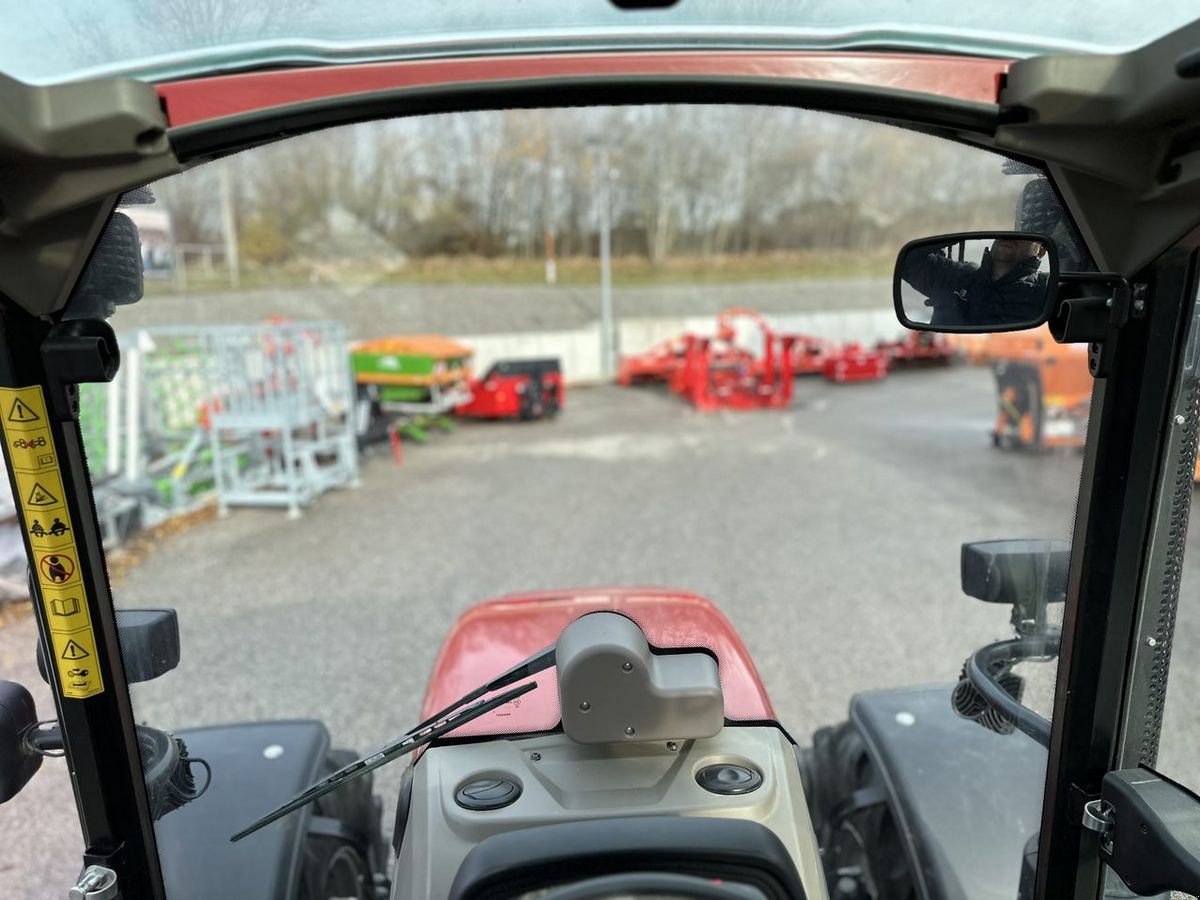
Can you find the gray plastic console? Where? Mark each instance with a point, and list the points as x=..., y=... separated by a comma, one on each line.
x=565, y=781
x=611, y=688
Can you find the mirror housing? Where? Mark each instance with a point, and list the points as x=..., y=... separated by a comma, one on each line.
x=17, y=715
x=946, y=284
x=1010, y=570
x=1027, y=574
x=149, y=641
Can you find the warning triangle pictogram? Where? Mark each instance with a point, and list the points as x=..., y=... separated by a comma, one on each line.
x=39, y=496
x=74, y=651
x=21, y=412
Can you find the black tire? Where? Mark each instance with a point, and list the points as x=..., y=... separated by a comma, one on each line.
x=334, y=870
x=370, y=425
x=529, y=407
x=831, y=770
x=864, y=841
x=344, y=866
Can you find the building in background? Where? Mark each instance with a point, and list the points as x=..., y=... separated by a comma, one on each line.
x=158, y=240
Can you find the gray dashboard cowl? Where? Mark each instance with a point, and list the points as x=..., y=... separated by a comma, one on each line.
x=612, y=688
x=563, y=781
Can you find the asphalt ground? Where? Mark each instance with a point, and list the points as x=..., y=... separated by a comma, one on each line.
x=829, y=533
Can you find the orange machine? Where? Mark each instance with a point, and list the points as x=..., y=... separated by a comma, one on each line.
x=1043, y=390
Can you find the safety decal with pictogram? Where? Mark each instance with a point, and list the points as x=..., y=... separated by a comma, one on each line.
x=37, y=479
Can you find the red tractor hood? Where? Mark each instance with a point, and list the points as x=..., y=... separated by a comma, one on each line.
x=496, y=634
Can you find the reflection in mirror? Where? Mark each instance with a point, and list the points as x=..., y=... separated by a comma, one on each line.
x=999, y=282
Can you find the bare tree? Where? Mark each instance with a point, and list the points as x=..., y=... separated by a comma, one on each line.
x=187, y=22
x=695, y=180
x=191, y=200
x=151, y=27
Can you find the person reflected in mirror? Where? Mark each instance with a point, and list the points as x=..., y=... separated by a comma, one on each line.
x=1004, y=288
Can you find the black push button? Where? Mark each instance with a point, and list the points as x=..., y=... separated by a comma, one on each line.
x=726, y=778
x=487, y=793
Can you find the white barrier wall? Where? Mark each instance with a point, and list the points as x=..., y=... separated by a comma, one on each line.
x=579, y=349
x=865, y=326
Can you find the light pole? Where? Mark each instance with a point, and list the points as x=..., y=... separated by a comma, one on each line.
x=552, y=180
x=229, y=223
x=603, y=192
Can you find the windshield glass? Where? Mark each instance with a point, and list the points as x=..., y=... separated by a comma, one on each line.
x=159, y=39
x=699, y=410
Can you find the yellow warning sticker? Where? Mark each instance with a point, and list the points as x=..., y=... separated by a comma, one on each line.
x=38, y=491
x=50, y=531
x=75, y=658
x=66, y=608
x=35, y=468
x=25, y=410
x=31, y=451
x=57, y=568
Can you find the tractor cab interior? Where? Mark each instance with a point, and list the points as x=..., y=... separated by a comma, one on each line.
x=851, y=571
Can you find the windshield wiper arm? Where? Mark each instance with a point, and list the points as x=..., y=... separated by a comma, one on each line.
x=539, y=662
x=419, y=736
x=433, y=727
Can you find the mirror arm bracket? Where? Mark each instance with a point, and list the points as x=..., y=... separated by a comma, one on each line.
x=78, y=351
x=1093, y=319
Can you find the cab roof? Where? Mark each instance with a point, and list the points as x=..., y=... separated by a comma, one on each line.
x=162, y=40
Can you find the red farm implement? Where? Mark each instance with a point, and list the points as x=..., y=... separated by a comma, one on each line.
x=919, y=348
x=856, y=363
x=516, y=389
x=659, y=363
x=717, y=373
x=748, y=365
x=809, y=354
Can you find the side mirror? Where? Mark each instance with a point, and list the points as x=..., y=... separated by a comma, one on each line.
x=1026, y=574
x=149, y=641
x=976, y=282
x=1007, y=571
x=17, y=716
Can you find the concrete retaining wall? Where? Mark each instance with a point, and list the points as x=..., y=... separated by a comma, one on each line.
x=578, y=349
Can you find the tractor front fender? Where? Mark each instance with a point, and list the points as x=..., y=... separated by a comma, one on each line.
x=916, y=801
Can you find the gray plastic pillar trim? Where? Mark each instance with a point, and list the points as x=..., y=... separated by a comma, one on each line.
x=66, y=152
x=1119, y=132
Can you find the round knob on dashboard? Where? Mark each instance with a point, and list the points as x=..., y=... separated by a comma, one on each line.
x=487, y=793
x=729, y=779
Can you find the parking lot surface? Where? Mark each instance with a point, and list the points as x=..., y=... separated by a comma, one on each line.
x=829, y=533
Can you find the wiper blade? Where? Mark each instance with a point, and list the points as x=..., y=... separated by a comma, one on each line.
x=435, y=726
x=424, y=733
x=539, y=662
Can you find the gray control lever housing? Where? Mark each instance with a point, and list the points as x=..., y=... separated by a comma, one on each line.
x=613, y=688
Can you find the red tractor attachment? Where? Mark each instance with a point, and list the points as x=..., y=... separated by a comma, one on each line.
x=718, y=374
x=660, y=363
x=516, y=389
x=856, y=363
x=919, y=348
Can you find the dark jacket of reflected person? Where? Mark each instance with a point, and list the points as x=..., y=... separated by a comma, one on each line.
x=1003, y=289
